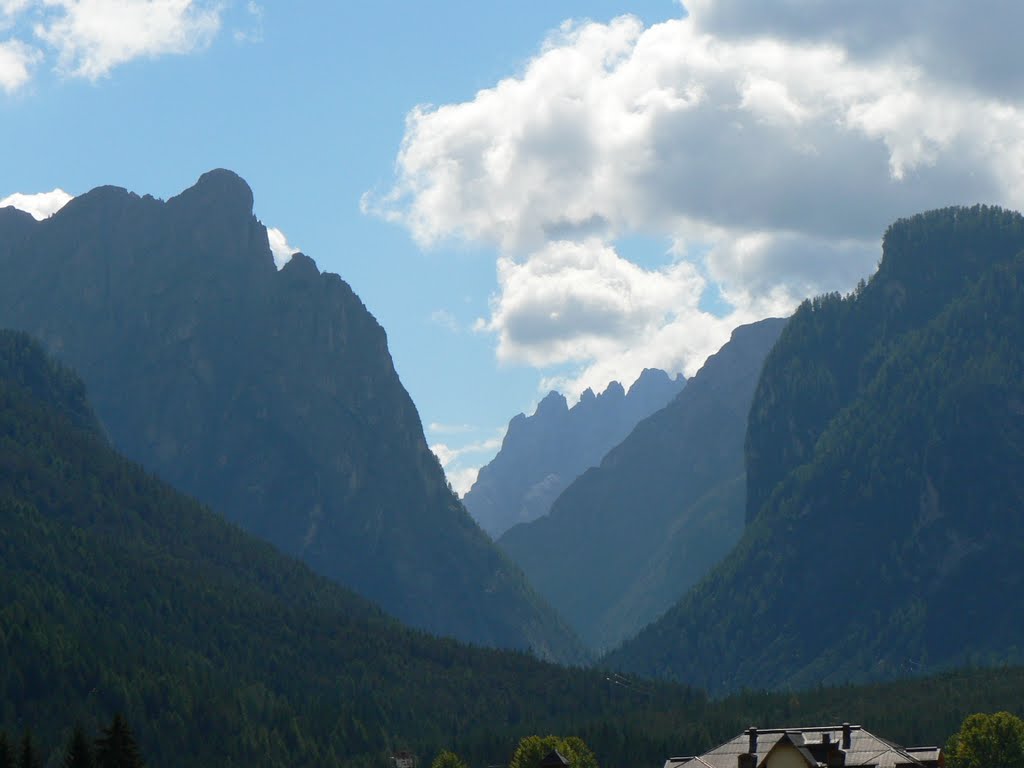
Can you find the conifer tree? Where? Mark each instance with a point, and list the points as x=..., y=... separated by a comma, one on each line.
x=116, y=747
x=29, y=758
x=79, y=751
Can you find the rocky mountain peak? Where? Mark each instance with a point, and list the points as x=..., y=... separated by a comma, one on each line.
x=661, y=507
x=614, y=391
x=648, y=379
x=301, y=265
x=553, y=403
x=541, y=454
x=219, y=191
x=270, y=396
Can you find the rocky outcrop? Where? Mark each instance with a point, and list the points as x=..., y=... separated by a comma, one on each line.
x=270, y=395
x=543, y=453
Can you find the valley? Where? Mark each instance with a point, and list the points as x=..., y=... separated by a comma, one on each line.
x=850, y=471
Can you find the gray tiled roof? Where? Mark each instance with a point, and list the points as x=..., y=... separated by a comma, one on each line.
x=865, y=749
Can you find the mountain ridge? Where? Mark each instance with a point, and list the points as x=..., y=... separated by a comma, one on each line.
x=896, y=535
x=544, y=453
x=120, y=595
x=663, y=506
x=269, y=395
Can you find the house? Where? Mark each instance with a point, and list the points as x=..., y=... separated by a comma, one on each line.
x=836, y=746
x=554, y=759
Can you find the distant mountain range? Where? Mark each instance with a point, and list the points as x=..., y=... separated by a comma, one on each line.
x=833, y=498
x=543, y=453
x=269, y=395
x=629, y=537
x=885, y=495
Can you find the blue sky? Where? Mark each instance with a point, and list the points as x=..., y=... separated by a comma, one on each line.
x=631, y=191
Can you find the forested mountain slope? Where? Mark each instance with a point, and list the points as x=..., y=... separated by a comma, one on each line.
x=543, y=453
x=626, y=540
x=117, y=594
x=828, y=358
x=270, y=396
x=895, y=543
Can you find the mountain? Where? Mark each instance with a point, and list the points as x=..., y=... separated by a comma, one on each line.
x=884, y=451
x=269, y=395
x=543, y=453
x=626, y=539
x=118, y=594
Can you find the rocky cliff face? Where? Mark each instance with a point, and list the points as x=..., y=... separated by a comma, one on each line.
x=269, y=395
x=627, y=538
x=543, y=453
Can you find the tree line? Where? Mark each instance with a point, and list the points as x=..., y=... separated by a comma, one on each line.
x=114, y=747
x=983, y=741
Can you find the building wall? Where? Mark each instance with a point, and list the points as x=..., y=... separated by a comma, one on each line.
x=785, y=756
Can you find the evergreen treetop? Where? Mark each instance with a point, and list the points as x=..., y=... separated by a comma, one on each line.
x=79, y=751
x=116, y=748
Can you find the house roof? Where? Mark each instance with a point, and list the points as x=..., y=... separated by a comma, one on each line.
x=865, y=749
x=554, y=759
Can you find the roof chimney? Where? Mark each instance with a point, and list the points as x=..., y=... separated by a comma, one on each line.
x=752, y=746
x=846, y=735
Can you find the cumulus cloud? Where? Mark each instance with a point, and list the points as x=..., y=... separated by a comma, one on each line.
x=773, y=149
x=9, y=9
x=92, y=37
x=16, y=62
x=280, y=247
x=41, y=205
x=462, y=479
x=461, y=464
x=580, y=300
x=976, y=45
x=89, y=38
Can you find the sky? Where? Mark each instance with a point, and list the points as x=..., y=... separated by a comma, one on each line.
x=532, y=195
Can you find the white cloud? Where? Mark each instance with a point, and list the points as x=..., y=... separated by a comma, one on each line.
x=92, y=37
x=280, y=247
x=445, y=319
x=16, y=62
x=9, y=9
x=974, y=44
x=254, y=33
x=462, y=479
x=89, y=38
x=40, y=205
x=450, y=429
x=580, y=300
x=774, y=150
x=462, y=463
